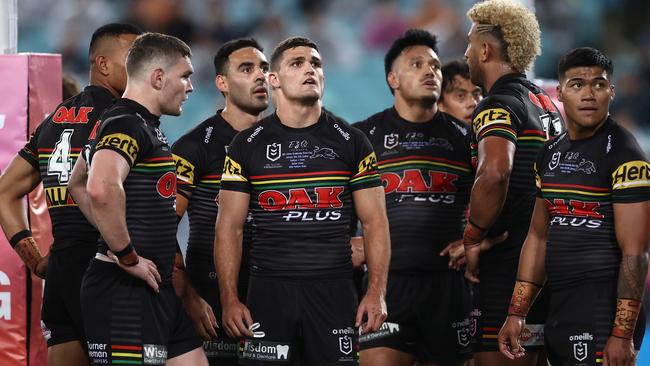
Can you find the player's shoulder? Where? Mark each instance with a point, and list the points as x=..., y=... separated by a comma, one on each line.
x=371, y=123
x=620, y=140
x=199, y=135
x=454, y=125
x=340, y=129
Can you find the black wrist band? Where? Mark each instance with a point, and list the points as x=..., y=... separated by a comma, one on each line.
x=474, y=224
x=19, y=236
x=124, y=252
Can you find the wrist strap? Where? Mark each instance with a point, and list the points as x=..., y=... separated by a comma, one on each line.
x=19, y=236
x=523, y=296
x=627, y=312
x=127, y=256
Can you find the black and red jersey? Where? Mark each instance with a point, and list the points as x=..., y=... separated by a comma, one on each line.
x=199, y=157
x=427, y=173
x=300, y=182
x=53, y=150
x=579, y=181
x=517, y=110
x=129, y=129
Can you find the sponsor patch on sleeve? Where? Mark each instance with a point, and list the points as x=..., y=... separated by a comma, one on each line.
x=631, y=174
x=489, y=117
x=119, y=141
x=538, y=180
x=184, y=169
x=369, y=163
x=232, y=171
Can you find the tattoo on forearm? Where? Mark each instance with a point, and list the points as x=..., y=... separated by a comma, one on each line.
x=627, y=312
x=632, y=275
x=28, y=252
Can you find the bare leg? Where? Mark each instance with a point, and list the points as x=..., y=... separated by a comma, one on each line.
x=69, y=353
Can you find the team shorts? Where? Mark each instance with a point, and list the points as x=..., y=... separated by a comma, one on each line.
x=428, y=317
x=125, y=320
x=61, y=312
x=580, y=321
x=306, y=322
x=494, y=293
x=223, y=350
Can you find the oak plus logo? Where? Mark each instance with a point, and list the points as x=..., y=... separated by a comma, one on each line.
x=273, y=151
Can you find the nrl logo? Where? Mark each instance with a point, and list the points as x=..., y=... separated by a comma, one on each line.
x=391, y=141
x=555, y=160
x=463, y=336
x=580, y=351
x=273, y=151
x=345, y=344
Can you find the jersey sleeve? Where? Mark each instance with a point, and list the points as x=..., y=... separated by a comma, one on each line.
x=538, y=178
x=29, y=152
x=123, y=135
x=365, y=172
x=190, y=158
x=630, y=172
x=235, y=173
x=494, y=118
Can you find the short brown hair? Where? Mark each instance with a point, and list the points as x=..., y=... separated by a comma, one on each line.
x=154, y=46
x=515, y=26
x=289, y=43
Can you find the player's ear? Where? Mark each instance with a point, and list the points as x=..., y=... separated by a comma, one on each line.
x=156, y=78
x=101, y=63
x=558, y=89
x=392, y=80
x=222, y=83
x=613, y=92
x=273, y=80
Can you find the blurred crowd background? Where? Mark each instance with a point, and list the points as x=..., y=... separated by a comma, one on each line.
x=352, y=35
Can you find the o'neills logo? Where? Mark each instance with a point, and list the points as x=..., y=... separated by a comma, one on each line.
x=582, y=337
x=631, y=174
x=262, y=350
x=122, y=142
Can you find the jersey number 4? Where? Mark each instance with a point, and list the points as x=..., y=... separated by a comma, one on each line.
x=60, y=162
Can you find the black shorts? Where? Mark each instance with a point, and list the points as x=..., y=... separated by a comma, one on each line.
x=580, y=321
x=125, y=320
x=307, y=322
x=223, y=350
x=61, y=313
x=428, y=317
x=493, y=298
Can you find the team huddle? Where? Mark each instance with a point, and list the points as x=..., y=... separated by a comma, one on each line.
x=469, y=223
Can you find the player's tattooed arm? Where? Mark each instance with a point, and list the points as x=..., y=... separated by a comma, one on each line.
x=18, y=180
x=633, y=239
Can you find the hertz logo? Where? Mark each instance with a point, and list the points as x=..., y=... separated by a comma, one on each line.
x=122, y=142
x=184, y=169
x=631, y=175
x=232, y=171
x=538, y=180
x=368, y=163
x=491, y=116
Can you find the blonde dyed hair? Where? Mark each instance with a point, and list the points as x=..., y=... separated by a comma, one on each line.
x=518, y=26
